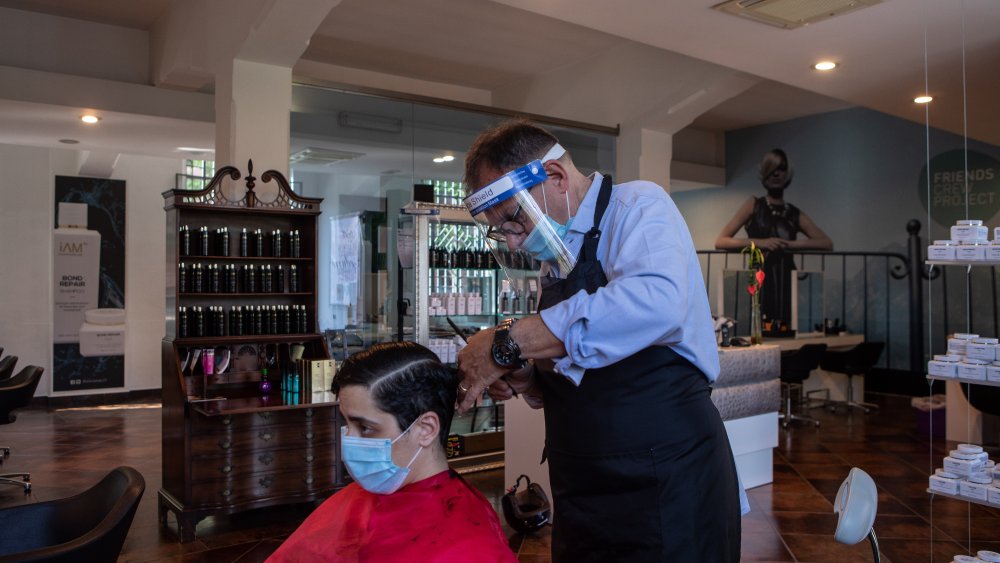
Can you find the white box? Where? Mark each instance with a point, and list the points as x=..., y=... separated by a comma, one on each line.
x=944, y=369
x=969, y=232
x=972, y=371
x=963, y=467
x=972, y=490
x=993, y=495
x=944, y=485
x=993, y=373
x=941, y=252
x=971, y=252
x=976, y=351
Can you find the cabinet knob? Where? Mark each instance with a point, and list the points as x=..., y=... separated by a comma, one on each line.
x=309, y=435
x=226, y=468
x=266, y=436
x=266, y=482
x=309, y=413
x=310, y=458
x=226, y=493
x=307, y=480
x=226, y=444
x=227, y=420
x=266, y=459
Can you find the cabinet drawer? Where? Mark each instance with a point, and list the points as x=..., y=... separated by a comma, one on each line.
x=261, y=438
x=258, y=486
x=206, y=424
x=240, y=464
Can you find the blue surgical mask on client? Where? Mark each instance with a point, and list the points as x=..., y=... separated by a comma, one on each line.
x=369, y=461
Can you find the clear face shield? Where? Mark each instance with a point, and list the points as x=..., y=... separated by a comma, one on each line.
x=518, y=231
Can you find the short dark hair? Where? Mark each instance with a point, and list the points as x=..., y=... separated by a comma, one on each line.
x=405, y=380
x=504, y=147
x=772, y=160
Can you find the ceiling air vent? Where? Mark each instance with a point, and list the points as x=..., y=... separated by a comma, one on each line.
x=790, y=14
x=315, y=155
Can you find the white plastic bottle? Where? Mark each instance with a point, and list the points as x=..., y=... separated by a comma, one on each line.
x=76, y=270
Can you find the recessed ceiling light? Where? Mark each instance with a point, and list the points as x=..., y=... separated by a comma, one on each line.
x=194, y=149
x=445, y=158
x=825, y=65
x=923, y=99
x=69, y=141
x=89, y=118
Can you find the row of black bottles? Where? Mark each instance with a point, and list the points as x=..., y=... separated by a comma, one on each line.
x=242, y=320
x=247, y=278
x=481, y=259
x=253, y=244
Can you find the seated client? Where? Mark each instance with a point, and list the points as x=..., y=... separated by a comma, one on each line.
x=404, y=504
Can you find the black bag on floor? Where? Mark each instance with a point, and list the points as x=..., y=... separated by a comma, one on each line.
x=526, y=510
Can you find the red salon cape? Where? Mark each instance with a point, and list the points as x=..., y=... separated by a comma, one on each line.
x=439, y=519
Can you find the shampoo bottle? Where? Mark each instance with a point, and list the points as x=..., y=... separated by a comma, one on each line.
x=76, y=270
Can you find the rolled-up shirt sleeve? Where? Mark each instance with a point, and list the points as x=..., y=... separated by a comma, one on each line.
x=645, y=250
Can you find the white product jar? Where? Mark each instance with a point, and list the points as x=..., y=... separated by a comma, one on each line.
x=944, y=482
x=942, y=250
x=103, y=333
x=971, y=251
x=990, y=556
x=971, y=368
x=982, y=349
x=944, y=365
x=967, y=229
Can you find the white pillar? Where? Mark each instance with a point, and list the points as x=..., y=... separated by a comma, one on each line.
x=252, y=105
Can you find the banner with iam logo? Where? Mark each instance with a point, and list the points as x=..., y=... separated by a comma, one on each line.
x=88, y=269
x=963, y=185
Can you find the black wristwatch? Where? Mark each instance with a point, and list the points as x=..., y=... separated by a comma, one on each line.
x=506, y=352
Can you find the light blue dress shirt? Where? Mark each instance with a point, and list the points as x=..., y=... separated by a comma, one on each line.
x=655, y=293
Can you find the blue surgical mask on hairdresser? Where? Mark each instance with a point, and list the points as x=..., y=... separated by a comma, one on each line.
x=535, y=245
x=369, y=461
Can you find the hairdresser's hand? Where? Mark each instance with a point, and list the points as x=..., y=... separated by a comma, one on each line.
x=521, y=382
x=476, y=369
x=772, y=243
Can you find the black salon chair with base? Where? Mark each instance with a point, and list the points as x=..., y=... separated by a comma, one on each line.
x=90, y=526
x=795, y=368
x=16, y=393
x=857, y=360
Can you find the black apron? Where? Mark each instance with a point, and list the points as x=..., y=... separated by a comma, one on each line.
x=639, y=461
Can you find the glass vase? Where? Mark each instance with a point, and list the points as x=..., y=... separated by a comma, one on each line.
x=756, y=325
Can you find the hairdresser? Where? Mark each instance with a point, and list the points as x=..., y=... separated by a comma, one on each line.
x=621, y=356
x=774, y=225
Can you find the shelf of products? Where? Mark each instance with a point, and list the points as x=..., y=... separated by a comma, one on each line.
x=964, y=380
x=960, y=497
x=453, y=275
x=242, y=427
x=967, y=474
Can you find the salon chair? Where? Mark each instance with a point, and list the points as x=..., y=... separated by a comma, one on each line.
x=857, y=360
x=796, y=366
x=7, y=367
x=90, y=526
x=856, y=506
x=16, y=393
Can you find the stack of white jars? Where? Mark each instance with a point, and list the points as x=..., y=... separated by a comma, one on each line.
x=969, y=242
x=968, y=472
x=982, y=556
x=969, y=357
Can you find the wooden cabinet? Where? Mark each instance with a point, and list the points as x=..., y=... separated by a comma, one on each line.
x=228, y=444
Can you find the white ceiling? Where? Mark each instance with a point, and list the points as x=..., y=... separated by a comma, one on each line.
x=487, y=44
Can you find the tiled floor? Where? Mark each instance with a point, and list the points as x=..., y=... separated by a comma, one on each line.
x=792, y=519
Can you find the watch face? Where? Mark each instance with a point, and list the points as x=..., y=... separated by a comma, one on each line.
x=503, y=355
